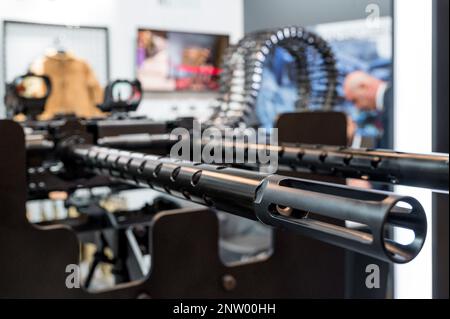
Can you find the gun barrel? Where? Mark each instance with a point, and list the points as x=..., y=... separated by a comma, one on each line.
x=318, y=210
x=417, y=170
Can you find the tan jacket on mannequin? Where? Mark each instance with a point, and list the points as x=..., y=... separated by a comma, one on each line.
x=75, y=88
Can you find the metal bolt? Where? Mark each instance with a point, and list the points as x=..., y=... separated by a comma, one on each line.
x=284, y=211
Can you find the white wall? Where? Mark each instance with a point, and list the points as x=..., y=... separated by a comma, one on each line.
x=123, y=17
x=413, y=124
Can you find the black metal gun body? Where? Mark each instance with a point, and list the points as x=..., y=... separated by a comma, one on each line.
x=45, y=172
x=317, y=210
x=417, y=170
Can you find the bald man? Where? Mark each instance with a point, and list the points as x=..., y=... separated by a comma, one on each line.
x=365, y=91
x=371, y=94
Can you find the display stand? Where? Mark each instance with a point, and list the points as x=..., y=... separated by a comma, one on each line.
x=184, y=251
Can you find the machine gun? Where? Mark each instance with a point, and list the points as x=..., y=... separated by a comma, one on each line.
x=318, y=210
x=295, y=204
x=417, y=170
x=315, y=210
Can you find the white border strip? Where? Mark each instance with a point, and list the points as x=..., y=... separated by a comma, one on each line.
x=413, y=124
